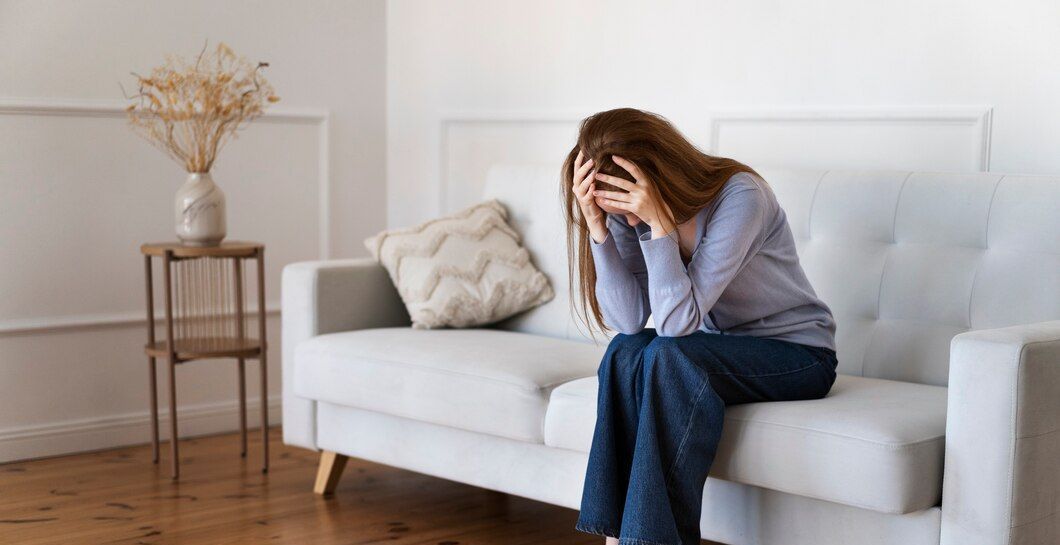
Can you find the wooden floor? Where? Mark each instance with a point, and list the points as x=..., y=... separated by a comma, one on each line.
x=119, y=496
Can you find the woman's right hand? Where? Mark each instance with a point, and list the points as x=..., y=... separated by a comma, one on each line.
x=584, y=185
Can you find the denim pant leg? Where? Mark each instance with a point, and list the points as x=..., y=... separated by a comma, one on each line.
x=611, y=455
x=680, y=417
x=685, y=383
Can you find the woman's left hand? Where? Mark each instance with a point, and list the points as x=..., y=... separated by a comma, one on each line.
x=637, y=199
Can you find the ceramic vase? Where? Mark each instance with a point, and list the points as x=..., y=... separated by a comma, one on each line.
x=200, y=211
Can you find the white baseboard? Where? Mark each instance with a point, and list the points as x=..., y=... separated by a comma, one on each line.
x=129, y=429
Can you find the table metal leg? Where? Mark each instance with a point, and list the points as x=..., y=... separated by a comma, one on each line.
x=171, y=350
x=264, y=365
x=237, y=276
x=242, y=407
x=151, y=360
x=154, y=410
x=264, y=416
x=173, y=437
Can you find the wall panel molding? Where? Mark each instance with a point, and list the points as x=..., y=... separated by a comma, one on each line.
x=518, y=120
x=73, y=322
x=81, y=108
x=68, y=107
x=974, y=123
x=977, y=120
x=113, y=108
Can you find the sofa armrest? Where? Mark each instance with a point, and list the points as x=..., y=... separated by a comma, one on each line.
x=325, y=297
x=1002, y=467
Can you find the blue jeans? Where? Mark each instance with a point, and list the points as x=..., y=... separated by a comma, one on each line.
x=660, y=410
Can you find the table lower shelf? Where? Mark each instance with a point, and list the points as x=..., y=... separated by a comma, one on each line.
x=207, y=347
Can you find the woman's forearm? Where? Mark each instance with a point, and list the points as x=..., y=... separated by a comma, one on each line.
x=680, y=295
x=670, y=289
x=623, y=298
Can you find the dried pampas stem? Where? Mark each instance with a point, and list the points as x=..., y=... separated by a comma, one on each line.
x=190, y=111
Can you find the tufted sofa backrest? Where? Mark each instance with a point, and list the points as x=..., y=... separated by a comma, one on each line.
x=906, y=260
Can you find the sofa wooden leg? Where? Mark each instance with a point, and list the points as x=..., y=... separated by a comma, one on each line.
x=329, y=471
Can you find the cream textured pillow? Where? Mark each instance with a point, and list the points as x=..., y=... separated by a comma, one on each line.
x=463, y=270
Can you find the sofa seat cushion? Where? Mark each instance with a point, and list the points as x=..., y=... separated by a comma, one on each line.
x=871, y=443
x=483, y=380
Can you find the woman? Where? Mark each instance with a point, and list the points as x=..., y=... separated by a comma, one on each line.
x=699, y=243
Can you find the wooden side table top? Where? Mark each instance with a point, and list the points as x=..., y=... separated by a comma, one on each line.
x=231, y=248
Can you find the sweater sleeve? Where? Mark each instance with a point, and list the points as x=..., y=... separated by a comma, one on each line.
x=621, y=278
x=680, y=297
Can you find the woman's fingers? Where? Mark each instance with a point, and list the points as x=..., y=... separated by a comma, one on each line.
x=582, y=188
x=584, y=194
x=629, y=167
x=578, y=163
x=579, y=185
x=581, y=174
x=583, y=170
x=614, y=195
x=621, y=183
x=621, y=205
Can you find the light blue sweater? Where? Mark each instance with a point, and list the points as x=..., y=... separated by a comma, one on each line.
x=744, y=276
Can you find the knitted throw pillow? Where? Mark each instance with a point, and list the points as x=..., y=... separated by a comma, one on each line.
x=463, y=270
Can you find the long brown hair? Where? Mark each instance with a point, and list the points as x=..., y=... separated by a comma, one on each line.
x=682, y=176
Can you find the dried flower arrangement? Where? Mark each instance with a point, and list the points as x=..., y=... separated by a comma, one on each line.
x=190, y=110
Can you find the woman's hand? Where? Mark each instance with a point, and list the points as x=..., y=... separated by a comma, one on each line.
x=584, y=185
x=637, y=199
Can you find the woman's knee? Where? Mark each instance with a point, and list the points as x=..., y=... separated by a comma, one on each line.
x=663, y=347
x=623, y=351
x=664, y=359
x=624, y=346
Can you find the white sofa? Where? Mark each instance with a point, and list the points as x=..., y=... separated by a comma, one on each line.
x=943, y=426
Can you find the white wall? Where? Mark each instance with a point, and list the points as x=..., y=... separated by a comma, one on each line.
x=917, y=84
x=79, y=193
x=446, y=89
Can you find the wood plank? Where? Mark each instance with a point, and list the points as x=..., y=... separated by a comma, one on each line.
x=120, y=497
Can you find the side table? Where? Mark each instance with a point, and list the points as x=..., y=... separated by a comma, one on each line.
x=204, y=290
